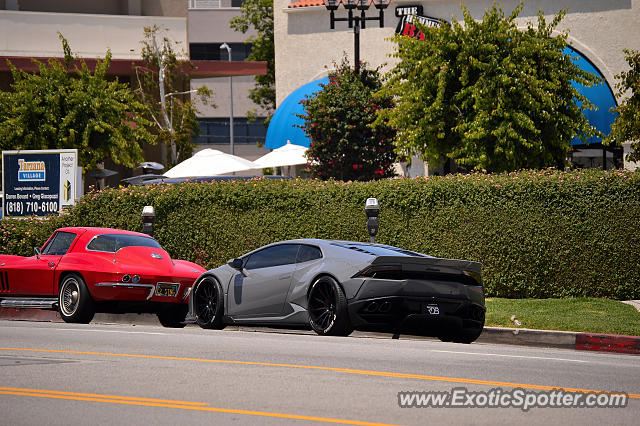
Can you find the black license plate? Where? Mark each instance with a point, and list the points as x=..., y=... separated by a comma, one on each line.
x=431, y=309
x=167, y=289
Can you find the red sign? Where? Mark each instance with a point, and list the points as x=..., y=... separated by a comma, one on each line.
x=407, y=25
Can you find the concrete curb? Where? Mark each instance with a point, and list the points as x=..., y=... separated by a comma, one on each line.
x=509, y=336
x=528, y=337
x=608, y=343
x=562, y=339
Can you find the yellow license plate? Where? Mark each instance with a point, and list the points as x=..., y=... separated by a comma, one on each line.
x=167, y=289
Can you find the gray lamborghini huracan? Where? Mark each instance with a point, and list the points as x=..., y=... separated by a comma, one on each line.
x=336, y=286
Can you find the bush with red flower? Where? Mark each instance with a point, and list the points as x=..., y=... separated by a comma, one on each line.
x=338, y=120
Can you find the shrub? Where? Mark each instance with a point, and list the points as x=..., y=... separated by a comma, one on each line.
x=537, y=233
x=338, y=120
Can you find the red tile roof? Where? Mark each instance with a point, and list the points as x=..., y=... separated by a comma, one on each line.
x=306, y=3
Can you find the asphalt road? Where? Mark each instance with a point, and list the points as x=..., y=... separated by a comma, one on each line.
x=53, y=373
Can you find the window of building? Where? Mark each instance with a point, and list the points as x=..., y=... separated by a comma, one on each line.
x=212, y=51
x=236, y=3
x=204, y=4
x=216, y=130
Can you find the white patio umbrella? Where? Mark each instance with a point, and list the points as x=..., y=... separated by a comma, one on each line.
x=210, y=162
x=287, y=155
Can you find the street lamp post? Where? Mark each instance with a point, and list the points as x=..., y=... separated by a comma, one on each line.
x=356, y=22
x=226, y=46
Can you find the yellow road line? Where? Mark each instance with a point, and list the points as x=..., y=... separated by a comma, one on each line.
x=141, y=402
x=333, y=369
x=93, y=395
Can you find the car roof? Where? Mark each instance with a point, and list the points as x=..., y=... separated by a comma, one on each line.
x=97, y=230
x=362, y=247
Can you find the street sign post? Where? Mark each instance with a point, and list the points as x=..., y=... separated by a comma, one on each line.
x=38, y=183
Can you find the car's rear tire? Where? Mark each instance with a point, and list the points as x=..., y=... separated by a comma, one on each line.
x=74, y=301
x=208, y=304
x=465, y=335
x=173, y=315
x=327, y=306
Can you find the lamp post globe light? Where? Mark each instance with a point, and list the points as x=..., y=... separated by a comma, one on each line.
x=354, y=21
x=226, y=46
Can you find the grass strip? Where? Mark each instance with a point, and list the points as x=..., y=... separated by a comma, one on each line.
x=590, y=315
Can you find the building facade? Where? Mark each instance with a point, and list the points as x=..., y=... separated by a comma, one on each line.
x=306, y=47
x=208, y=29
x=29, y=29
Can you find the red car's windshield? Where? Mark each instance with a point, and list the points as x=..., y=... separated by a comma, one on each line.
x=113, y=242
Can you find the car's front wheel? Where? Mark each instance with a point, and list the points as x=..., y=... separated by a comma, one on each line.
x=208, y=304
x=173, y=315
x=327, y=305
x=74, y=301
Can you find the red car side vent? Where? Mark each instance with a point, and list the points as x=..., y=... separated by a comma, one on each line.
x=4, y=282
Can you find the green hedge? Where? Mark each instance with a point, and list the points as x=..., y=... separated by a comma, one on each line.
x=538, y=234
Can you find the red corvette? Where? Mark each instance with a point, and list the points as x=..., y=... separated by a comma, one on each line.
x=80, y=271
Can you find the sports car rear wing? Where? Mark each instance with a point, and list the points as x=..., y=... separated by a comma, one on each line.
x=409, y=267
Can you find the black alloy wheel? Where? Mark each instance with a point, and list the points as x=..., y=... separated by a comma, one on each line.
x=327, y=306
x=208, y=305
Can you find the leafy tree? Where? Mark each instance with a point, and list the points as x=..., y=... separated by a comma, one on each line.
x=163, y=87
x=67, y=106
x=344, y=144
x=487, y=94
x=258, y=14
x=627, y=124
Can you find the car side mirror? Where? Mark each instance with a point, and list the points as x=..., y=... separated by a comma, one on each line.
x=236, y=263
x=36, y=250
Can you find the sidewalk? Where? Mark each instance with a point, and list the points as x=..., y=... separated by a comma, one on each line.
x=634, y=303
x=493, y=335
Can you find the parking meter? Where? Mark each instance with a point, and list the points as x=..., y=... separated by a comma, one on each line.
x=372, y=209
x=148, y=217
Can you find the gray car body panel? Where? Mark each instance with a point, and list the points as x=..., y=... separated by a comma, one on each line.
x=278, y=295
